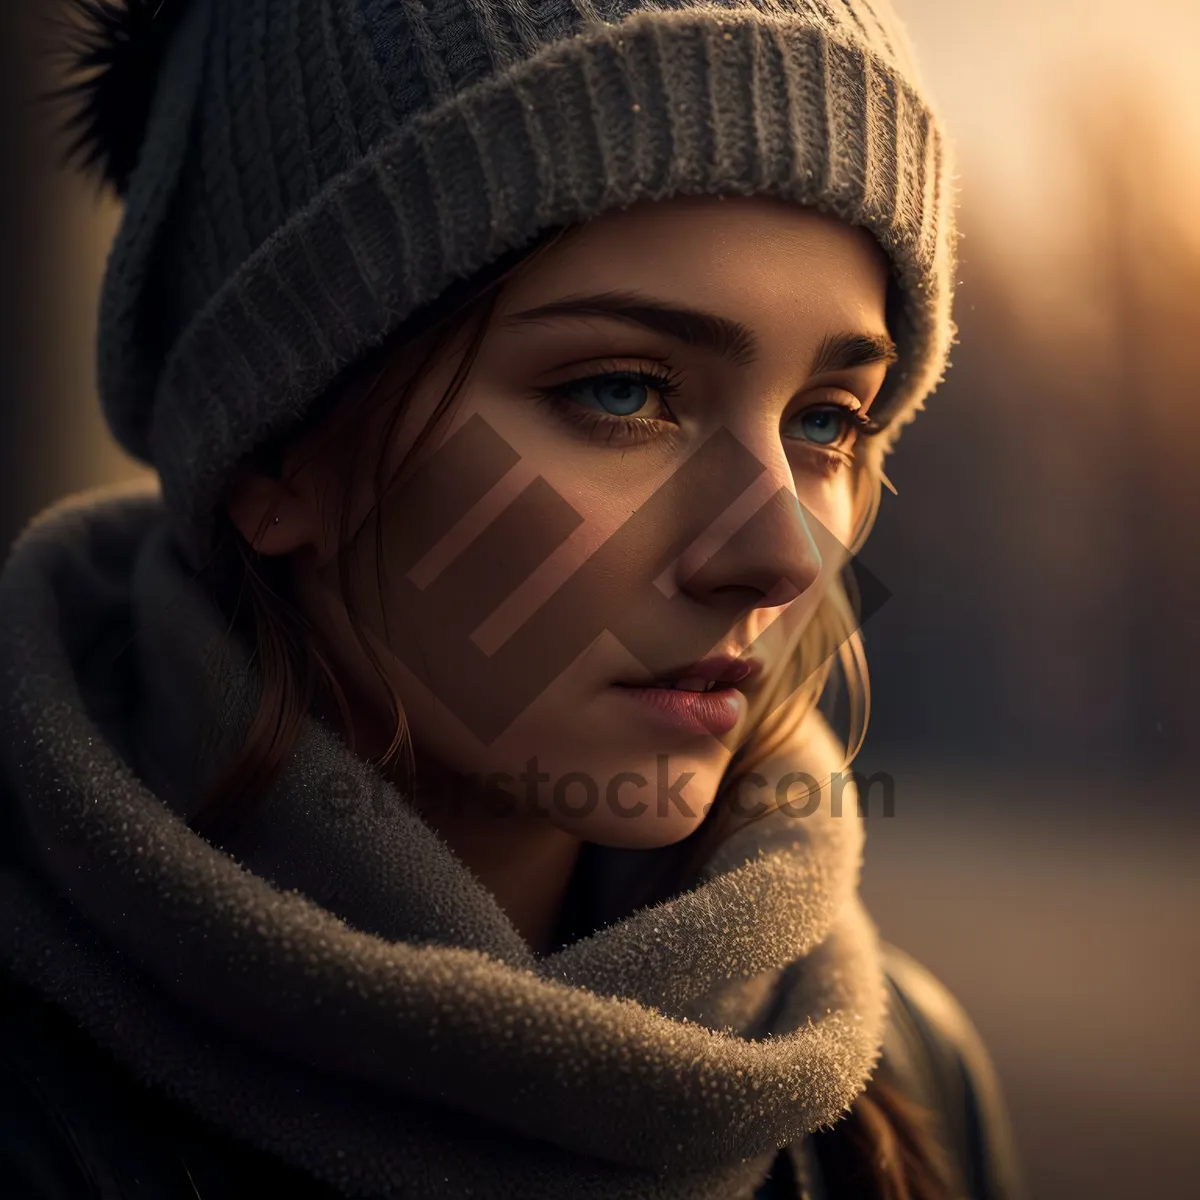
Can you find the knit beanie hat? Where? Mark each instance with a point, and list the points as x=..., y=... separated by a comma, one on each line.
x=301, y=176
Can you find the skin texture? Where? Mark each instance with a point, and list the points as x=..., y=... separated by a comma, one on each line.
x=793, y=277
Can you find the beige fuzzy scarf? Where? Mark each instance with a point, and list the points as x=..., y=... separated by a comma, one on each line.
x=337, y=987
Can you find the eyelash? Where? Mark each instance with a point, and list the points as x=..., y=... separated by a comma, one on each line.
x=620, y=430
x=623, y=430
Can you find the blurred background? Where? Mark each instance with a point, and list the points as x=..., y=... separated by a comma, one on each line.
x=1034, y=672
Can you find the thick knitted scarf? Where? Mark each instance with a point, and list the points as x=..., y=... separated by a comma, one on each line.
x=334, y=985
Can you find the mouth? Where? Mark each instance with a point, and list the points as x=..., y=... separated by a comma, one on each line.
x=702, y=697
x=717, y=673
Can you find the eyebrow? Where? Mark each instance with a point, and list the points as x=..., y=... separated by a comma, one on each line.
x=728, y=338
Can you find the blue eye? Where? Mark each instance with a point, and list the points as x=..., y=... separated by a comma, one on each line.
x=613, y=394
x=620, y=393
x=621, y=405
x=826, y=425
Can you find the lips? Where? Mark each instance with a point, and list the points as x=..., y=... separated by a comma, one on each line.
x=707, y=675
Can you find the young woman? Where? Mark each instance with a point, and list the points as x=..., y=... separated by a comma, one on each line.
x=428, y=792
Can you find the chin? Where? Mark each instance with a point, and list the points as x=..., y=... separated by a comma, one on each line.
x=641, y=804
x=649, y=833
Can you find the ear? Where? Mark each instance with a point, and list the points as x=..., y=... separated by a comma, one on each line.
x=271, y=516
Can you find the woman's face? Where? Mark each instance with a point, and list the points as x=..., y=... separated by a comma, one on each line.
x=642, y=490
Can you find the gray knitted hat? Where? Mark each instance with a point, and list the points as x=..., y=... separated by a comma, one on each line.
x=312, y=172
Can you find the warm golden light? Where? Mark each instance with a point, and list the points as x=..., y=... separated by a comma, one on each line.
x=1040, y=554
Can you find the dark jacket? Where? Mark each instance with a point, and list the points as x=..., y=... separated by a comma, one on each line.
x=74, y=1126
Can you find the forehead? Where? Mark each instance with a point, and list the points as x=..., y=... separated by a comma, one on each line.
x=763, y=260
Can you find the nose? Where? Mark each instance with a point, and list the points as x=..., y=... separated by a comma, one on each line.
x=761, y=554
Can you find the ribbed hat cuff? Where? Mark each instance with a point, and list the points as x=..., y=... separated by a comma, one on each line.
x=739, y=106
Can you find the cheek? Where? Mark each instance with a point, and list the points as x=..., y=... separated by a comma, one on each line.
x=496, y=519
x=575, y=493
x=829, y=506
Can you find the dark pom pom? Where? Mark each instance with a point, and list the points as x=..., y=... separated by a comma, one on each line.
x=112, y=51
